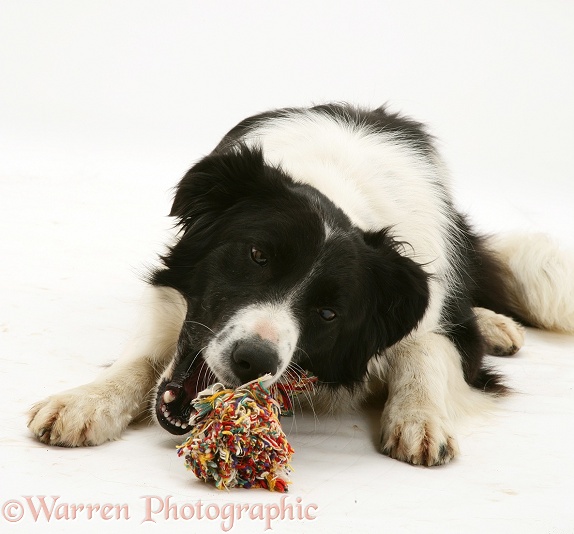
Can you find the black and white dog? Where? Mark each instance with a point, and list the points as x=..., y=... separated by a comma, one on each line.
x=326, y=239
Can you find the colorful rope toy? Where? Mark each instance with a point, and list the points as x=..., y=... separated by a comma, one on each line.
x=237, y=439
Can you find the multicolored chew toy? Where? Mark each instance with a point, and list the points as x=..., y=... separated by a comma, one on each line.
x=236, y=437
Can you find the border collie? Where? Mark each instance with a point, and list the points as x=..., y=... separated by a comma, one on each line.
x=326, y=239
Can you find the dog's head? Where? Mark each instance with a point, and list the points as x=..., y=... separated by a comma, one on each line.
x=276, y=278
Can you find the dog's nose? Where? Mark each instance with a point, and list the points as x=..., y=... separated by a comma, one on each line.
x=251, y=359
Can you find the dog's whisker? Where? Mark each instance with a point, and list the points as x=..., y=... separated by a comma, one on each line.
x=197, y=355
x=297, y=347
x=189, y=321
x=205, y=376
x=290, y=377
x=293, y=373
x=202, y=372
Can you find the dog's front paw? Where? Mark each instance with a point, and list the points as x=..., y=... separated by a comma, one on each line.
x=87, y=415
x=417, y=438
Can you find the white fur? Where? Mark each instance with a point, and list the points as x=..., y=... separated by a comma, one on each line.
x=427, y=396
x=540, y=279
x=99, y=411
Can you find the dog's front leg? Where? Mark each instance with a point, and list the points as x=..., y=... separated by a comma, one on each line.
x=425, y=381
x=99, y=411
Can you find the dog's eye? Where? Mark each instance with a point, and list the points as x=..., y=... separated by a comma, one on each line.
x=258, y=257
x=327, y=314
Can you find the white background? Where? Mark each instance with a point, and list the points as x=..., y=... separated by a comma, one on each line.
x=104, y=105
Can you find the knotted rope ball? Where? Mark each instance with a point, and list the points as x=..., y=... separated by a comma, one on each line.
x=237, y=439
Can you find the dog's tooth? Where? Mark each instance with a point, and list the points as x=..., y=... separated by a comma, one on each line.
x=184, y=426
x=168, y=396
x=166, y=413
x=178, y=423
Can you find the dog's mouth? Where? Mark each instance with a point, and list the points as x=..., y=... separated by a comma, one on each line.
x=173, y=401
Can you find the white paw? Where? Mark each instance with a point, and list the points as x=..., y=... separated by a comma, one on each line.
x=503, y=336
x=418, y=438
x=87, y=415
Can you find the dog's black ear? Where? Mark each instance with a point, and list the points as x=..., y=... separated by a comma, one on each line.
x=215, y=184
x=204, y=202
x=401, y=293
